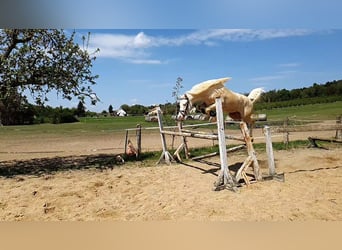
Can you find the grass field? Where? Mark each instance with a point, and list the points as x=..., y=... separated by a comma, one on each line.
x=103, y=125
x=90, y=126
x=319, y=111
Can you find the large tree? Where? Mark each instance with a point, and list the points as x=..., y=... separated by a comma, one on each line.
x=35, y=62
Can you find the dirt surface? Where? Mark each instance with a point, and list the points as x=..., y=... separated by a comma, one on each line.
x=50, y=179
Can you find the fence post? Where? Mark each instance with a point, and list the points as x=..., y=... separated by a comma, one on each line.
x=138, y=134
x=338, y=131
x=166, y=156
x=126, y=142
x=286, y=133
x=269, y=150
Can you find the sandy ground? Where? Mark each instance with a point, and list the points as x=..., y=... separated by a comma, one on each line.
x=89, y=186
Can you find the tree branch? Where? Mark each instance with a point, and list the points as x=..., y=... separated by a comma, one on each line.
x=15, y=41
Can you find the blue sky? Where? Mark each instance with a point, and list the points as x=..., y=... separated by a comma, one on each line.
x=141, y=66
x=197, y=14
x=146, y=44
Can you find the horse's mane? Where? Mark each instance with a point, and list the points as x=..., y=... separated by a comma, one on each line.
x=255, y=94
x=208, y=86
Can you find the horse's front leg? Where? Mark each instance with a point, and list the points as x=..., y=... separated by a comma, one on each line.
x=211, y=110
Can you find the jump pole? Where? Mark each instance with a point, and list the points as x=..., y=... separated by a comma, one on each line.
x=165, y=156
x=225, y=180
x=270, y=157
x=269, y=150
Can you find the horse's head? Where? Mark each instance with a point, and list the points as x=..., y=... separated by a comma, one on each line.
x=184, y=107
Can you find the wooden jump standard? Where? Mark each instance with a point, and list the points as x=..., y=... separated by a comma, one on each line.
x=225, y=180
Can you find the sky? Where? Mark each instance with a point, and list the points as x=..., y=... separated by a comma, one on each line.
x=141, y=66
x=173, y=14
x=146, y=45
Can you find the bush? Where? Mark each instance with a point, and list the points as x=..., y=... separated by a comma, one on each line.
x=64, y=116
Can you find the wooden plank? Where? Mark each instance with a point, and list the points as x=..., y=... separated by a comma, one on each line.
x=201, y=135
x=303, y=128
x=188, y=134
x=229, y=137
x=200, y=157
x=176, y=153
x=326, y=140
x=251, y=151
x=243, y=168
x=313, y=140
x=229, y=150
x=185, y=143
x=236, y=148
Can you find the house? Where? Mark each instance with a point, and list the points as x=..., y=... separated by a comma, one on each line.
x=121, y=112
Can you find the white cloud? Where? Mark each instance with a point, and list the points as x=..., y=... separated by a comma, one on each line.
x=119, y=46
x=141, y=40
x=133, y=48
x=287, y=72
x=266, y=78
x=289, y=65
x=145, y=61
x=211, y=37
x=160, y=85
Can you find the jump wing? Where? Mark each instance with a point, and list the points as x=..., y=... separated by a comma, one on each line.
x=208, y=86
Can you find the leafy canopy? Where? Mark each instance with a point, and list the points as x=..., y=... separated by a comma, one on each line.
x=39, y=61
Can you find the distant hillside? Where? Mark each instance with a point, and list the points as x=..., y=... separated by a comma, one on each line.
x=317, y=93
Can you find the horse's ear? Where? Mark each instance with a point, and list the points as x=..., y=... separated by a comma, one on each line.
x=225, y=80
x=181, y=97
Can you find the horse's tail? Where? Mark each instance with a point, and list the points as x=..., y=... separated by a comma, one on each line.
x=255, y=94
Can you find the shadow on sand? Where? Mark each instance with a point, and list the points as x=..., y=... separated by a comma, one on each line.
x=41, y=166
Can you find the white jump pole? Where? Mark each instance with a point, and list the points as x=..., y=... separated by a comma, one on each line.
x=269, y=150
x=166, y=156
x=225, y=179
x=270, y=157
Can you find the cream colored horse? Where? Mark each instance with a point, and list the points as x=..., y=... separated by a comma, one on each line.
x=238, y=106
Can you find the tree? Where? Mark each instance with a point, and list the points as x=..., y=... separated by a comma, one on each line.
x=81, y=110
x=126, y=108
x=110, y=109
x=176, y=89
x=39, y=61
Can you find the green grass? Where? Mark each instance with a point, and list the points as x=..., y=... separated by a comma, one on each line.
x=319, y=111
x=108, y=125
x=90, y=126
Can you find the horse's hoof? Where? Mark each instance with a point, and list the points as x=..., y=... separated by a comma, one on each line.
x=212, y=113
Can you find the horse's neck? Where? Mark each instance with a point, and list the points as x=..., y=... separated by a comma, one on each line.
x=243, y=99
x=194, y=99
x=191, y=98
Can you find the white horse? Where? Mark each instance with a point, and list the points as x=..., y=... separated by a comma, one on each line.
x=203, y=95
